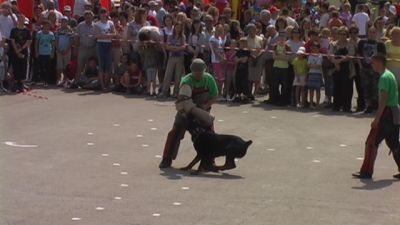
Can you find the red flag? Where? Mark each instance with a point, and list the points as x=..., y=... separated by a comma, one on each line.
x=26, y=7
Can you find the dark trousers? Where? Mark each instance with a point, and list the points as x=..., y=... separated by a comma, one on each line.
x=387, y=131
x=242, y=81
x=342, y=89
x=280, y=86
x=359, y=88
x=43, y=68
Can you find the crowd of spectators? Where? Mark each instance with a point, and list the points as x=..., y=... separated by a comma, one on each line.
x=288, y=50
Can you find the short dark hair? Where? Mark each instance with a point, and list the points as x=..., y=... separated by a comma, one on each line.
x=379, y=56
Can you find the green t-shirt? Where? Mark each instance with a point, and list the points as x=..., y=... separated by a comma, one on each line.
x=388, y=83
x=206, y=81
x=299, y=66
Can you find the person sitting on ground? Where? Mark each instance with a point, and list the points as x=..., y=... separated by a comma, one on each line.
x=132, y=79
x=90, y=76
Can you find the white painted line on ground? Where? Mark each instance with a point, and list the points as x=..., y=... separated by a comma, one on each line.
x=271, y=149
x=99, y=208
x=116, y=164
x=156, y=214
x=76, y=219
x=343, y=145
x=105, y=155
x=158, y=156
x=360, y=158
x=139, y=135
x=150, y=120
x=185, y=188
x=220, y=120
x=117, y=198
x=177, y=203
x=273, y=117
x=90, y=143
x=14, y=144
x=90, y=133
x=309, y=147
x=124, y=185
x=145, y=145
x=124, y=173
x=116, y=125
x=153, y=128
x=316, y=161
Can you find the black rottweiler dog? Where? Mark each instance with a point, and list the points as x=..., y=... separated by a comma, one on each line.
x=210, y=145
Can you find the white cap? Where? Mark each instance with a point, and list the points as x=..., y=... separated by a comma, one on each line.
x=301, y=50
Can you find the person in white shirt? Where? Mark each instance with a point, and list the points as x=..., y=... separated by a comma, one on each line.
x=324, y=20
x=361, y=19
x=79, y=8
x=51, y=7
x=7, y=20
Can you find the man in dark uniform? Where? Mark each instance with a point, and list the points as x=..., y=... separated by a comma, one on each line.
x=204, y=95
x=386, y=123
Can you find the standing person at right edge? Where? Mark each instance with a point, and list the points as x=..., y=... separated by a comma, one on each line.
x=387, y=120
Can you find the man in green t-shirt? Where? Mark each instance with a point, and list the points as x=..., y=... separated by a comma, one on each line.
x=204, y=94
x=386, y=123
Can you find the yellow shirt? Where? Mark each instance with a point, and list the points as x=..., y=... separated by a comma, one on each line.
x=393, y=52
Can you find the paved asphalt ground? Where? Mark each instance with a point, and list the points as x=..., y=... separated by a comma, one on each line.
x=91, y=158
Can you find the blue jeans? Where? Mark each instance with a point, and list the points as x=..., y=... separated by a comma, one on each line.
x=104, y=51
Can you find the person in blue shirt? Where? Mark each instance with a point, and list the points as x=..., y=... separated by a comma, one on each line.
x=45, y=48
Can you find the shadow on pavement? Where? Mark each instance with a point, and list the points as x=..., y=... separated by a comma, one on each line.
x=177, y=174
x=370, y=185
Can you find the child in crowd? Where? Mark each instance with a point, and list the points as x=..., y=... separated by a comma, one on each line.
x=300, y=74
x=324, y=40
x=230, y=67
x=64, y=42
x=132, y=79
x=314, y=78
x=45, y=48
x=151, y=53
x=90, y=77
x=217, y=42
x=280, y=88
x=3, y=66
x=121, y=69
x=242, y=72
x=70, y=71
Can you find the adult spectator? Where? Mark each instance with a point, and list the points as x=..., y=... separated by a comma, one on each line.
x=335, y=21
x=265, y=17
x=51, y=8
x=290, y=21
x=133, y=30
x=104, y=31
x=86, y=42
x=324, y=20
x=123, y=21
x=366, y=49
x=21, y=40
x=256, y=43
x=79, y=8
x=380, y=30
x=68, y=13
x=161, y=13
x=346, y=15
x=393, y=52
x=274, y=14
x=361, y=20
x=343, y=75
x=176, y=44
x=7, y=20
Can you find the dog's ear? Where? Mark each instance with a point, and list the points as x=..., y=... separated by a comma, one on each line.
x=248, y=143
